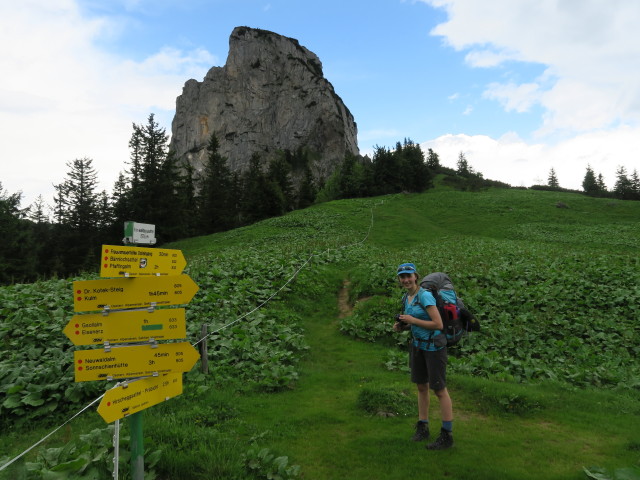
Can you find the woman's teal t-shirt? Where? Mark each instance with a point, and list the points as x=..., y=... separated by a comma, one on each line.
x=415, y=309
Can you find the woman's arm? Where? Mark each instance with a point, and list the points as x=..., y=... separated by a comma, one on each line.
x=434, y=324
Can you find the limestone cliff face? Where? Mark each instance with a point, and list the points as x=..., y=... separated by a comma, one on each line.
x=270, y=96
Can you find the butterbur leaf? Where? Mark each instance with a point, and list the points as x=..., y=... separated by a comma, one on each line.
x=630, y=473
x=151, y=459
x=52, y=456
x=32, y=466
x=100, y=454
x=12, y=401
x=15, y=389
x=70, y=466
x=34, y=399
x=281, y=463
x=596, y=473
x=49, y=407
x=294, y=470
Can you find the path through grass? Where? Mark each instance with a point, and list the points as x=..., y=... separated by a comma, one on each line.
x=319, y=426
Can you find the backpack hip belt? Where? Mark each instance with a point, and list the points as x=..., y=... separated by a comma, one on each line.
x=422, y=344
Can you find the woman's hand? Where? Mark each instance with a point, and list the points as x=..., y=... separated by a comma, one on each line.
x=400, y=326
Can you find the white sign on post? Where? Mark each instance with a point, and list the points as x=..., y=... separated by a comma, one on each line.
x=139, y=233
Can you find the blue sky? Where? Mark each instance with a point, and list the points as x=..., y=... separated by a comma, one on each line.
x=519, y=87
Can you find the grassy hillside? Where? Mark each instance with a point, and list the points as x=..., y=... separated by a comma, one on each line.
x=315, y=374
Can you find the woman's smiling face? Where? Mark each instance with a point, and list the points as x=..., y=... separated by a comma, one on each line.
x=408, y=280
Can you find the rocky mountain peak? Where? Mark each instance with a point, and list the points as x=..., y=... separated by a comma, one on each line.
x=270, y=96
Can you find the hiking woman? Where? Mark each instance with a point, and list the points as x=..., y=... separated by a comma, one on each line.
x=427, y=356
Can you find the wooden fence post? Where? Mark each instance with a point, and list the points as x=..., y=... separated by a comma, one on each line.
x=204, y=357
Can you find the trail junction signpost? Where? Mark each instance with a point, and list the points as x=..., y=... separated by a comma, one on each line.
x=128, y=312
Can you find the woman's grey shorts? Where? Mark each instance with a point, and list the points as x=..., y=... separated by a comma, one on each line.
x=429, y=367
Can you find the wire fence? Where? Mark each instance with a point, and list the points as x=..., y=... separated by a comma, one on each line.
x=227, y=325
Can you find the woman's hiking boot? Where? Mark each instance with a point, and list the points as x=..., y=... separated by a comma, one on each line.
x=444, y=441
x=422, y=432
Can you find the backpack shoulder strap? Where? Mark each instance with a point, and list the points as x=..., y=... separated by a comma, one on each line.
x=418, y=297
x=435, y=296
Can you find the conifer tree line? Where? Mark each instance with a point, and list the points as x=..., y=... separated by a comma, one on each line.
x=626, y=187
x=64, y=238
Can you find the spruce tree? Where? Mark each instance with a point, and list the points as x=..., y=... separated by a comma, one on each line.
x=214, y=206
x=280, y=172
x=148, y=145
x=623, y=188
x=37, y=212
x=133, y=181
x=104, y=215
x=275, y=201
x=433, y=160
x=169, y=210
x=236, y=198
x=261, y=196
x=418, y=176
x=552, y=180
x=251, y=199
x=154, y=150
x=17, y=255
x=42, y=233
x=307, y=190
x=348, y=178
x=121, y=208
x=77, y=201
x=77, y=212
x=590, y=183
x=186, y=189
x=463, y=165
x=635, y=185
x=388, y=173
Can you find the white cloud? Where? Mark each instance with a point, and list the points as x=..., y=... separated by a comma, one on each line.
x=62, y=97
x=590, y=47
x=514, y=161
x=514, y=97
x=486, y=58
x=589, y=92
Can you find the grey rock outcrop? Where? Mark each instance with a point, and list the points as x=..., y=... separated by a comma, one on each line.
x=270, y=96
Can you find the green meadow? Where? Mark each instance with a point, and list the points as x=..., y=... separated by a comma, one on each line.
x=307, y=379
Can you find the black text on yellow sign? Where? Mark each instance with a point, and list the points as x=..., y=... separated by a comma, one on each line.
x=120, y=293
x=127, y=326
x=133, y=361
x=138, y=395
x=134, y=261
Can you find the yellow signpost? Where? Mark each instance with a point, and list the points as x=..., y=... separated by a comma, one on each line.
x=132, y=261
x=135, y=396
x=133, y=361
x=140, y=278
x=119, y=293
x=127, y=326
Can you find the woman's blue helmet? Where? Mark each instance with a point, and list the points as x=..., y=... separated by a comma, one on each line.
x=406, y=268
